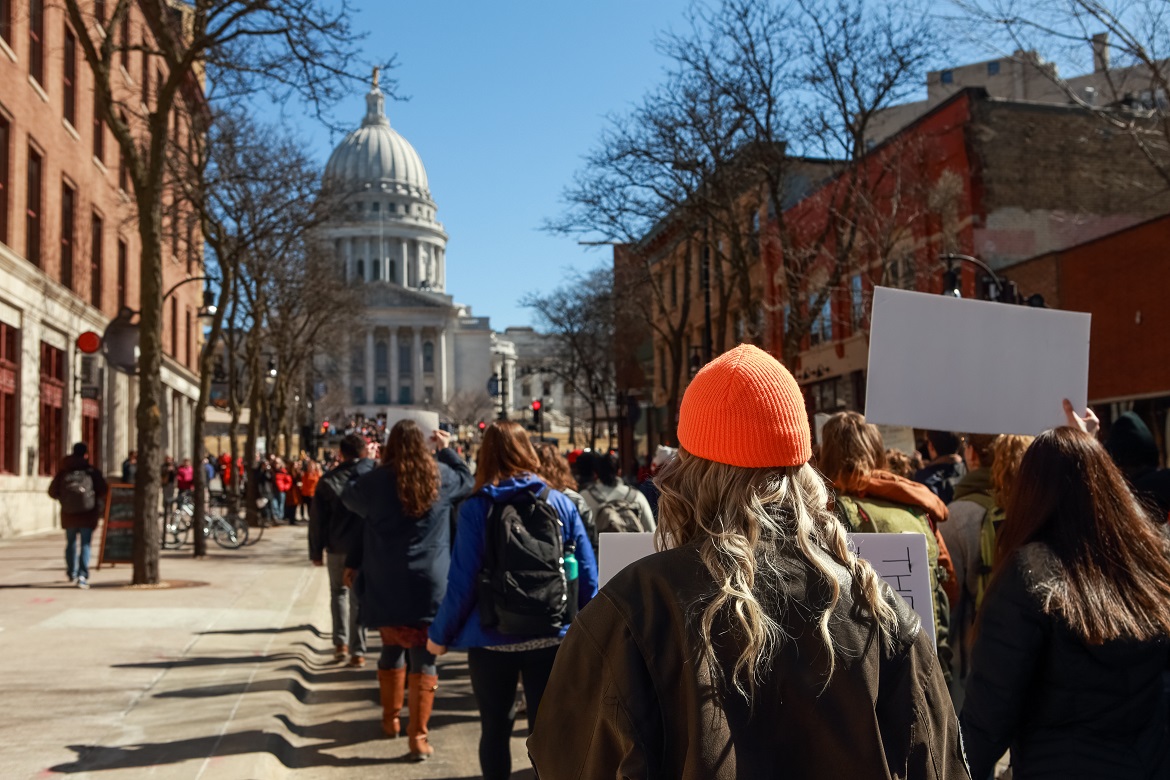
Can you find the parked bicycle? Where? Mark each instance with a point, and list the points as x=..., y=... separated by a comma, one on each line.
x=228, y=532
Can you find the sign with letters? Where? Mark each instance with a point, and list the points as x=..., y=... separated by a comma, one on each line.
x=117, y=530
x=952, y=364
x=899, y=559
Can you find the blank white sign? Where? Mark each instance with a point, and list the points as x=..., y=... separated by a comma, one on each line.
x=617, y=551
x=953, y=364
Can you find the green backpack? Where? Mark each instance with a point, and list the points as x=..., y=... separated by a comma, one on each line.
x=988, y=528
x=876, y=516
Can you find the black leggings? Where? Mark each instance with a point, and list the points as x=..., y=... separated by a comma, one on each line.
x=494, y=675
x=394, y=657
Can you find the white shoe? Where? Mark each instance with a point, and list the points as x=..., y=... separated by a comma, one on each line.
x=82, y=583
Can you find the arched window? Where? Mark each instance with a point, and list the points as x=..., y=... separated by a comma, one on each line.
x=361, y=269
x=428, y=358
x=404, y=359
x=381, y=358
x=376, y=267
x=393, y=272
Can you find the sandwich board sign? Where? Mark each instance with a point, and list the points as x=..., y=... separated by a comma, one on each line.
x=899, y=559
x=954, y=364
x=117, y=530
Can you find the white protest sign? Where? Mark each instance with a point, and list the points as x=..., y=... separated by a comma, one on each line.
x=898, y=437
x=617, y=551
x=952, y=364
x=900, y=560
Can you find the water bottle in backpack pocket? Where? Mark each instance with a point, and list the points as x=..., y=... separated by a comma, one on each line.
x=523, y=588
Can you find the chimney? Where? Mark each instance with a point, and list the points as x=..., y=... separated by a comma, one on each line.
x=1101, y=52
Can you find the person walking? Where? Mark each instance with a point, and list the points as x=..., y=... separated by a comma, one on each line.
x=755, y=644
x=870, y=499
x=400, y=563
x=507, y=602
x=309, y=480
x=1072, y=639
x=554, y=470
x=282, y=483
x=333, y=530
x=80, y=489
x=616, y=506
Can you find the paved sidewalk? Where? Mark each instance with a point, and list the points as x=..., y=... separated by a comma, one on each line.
x=231, y=679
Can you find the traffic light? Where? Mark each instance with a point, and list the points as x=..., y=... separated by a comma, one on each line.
x=482, y=426
x=536, y=404
x=324, y=427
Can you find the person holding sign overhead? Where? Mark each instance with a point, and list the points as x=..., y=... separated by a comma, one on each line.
x=758, y=644
x=80, y=488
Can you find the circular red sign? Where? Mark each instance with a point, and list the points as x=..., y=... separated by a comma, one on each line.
x=89, y=342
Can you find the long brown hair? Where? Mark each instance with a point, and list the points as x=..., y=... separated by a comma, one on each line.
x=413, y=466
x=851, y=449
x=1113, y=565
x=554, y=469
x=505, y=452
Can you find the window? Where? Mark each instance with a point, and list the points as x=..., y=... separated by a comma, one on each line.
x=188, y=341
x=121, y=274
x=69, y=78
x=993, y=68
x=375, y=206
x=947, y=77
x=125, y=40
x=174, y=226
x=95, y=261
x=405, y=395
x=357, y=356
x=32, y=220
x=9, y=382
x=359, y=394
x=428, y=358
x=376, y=267
x=99, y=11
x=525, y=390
x=393, y=272
x=381, y=359
x=404, y=360
x=190, y=247
x=821, y=327
x=52, y=409
x=857, y=303
x=361, y=269
x=5, y=133
x=123, y=166
x=99, y=127
x=391, y=207
x=6, y=20
x=382, y=395
x=68, y=203
x=546, y=387
x=175, y=328
x=36, y=40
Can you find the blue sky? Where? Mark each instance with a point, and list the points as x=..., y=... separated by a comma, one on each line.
x=504, y=98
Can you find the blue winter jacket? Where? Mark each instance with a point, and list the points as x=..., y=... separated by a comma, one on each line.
x=457, y=624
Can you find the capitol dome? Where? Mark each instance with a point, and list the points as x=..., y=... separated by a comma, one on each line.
x=376, y=157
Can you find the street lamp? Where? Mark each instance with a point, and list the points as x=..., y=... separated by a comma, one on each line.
x=951, y=277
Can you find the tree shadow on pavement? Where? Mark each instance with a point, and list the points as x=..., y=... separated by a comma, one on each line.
x=210, y=660
x=286, y=684
x=96, y=757
x=286, y=630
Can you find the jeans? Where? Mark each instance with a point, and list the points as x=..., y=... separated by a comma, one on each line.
x=394, y=657
x=77, y=561
x=346, y=629
x=494, y=675
x=276, y=506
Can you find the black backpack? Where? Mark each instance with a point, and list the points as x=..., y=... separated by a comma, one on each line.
x=522, y=587
x=77, y=494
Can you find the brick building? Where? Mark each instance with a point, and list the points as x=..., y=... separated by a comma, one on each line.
x=1122, y=279
x=69, y=261
x=999, y=179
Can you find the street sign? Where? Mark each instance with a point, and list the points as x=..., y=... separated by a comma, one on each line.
x=89, y=342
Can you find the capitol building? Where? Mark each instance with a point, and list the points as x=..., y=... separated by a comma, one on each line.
x=419, y=348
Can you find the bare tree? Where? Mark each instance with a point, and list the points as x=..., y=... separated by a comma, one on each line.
x=292, y=48
x=762, y=102
x=578, y=318
x=1129, y=42
x=468, y=407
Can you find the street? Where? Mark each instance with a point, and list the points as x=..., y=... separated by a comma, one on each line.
x=228, y=673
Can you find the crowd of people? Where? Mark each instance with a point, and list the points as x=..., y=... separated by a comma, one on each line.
x=755, y=642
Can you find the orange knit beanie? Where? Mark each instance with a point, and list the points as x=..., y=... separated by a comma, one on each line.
x=745, y=409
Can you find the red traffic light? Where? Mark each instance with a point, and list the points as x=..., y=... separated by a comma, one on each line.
x=536, y=405
x=482, y=425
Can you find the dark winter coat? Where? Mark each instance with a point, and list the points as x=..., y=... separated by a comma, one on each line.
x=627, y=697
x=332, y=527
x=84, y=519
x=941, y=475
x=403, y=560
x=1066, y=709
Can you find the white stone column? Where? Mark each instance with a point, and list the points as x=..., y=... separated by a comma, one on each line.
x=370, y=366
x=394, y=382
x=418, y=366
x=402, y=276
x=441, y=349
x=418, y=266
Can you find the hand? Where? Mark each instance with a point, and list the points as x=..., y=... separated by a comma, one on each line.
x=1089, y=423
x=318, y=562
x=436, y=650
x=348, y=577
x=441, y=439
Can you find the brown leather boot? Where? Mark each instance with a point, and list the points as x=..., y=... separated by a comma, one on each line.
x=392, y=687
x=422, y=701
